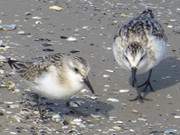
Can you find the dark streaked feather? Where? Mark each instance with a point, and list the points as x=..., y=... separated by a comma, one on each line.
x=142, y=25
x=134, y=48
x=31, y=70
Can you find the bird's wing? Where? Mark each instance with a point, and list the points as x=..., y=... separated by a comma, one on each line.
x=31, y=70
x=139, y=28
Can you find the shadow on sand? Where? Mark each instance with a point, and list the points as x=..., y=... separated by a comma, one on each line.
x=164, y=75
x=84, y=106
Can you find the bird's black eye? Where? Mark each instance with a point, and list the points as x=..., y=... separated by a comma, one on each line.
x=142, y=57
x=126, y=57
x=76, y=70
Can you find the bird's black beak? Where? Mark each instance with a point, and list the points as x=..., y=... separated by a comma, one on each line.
x=133, y=71
x=87, y=82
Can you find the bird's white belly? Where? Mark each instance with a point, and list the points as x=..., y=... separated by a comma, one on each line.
x=159, y=49
x=48, y=86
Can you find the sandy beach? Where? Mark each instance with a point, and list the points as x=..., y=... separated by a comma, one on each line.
x=86, y=28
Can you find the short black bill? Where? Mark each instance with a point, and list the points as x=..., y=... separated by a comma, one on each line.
x=133, y=71
x=87, y=82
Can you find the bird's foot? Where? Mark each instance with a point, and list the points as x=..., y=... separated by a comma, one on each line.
x=41, y=113
x=71, y=104
x=140, y=99
x=146, y=84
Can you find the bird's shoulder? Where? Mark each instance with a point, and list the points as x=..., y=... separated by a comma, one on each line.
x=141, y=26
x=41, y=65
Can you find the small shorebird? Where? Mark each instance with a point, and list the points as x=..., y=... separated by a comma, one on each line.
x=139, y=46
x=54, y=76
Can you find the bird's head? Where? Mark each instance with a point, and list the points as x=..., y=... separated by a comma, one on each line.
x=80, y=67
x=135, y=58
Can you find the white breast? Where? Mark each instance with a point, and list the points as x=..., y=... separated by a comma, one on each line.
x=117, y=50
x=159, y=49
x=49, y=86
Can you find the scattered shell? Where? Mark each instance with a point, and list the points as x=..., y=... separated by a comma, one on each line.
x=14, y=106
x=134, y=111
x=84, y=90
x=117, y=128
x=172, y=20
x=124, y=91
x=170, y=26
x=85, y=27
x=124, y=15
x=7, y=27
x=1, y=71
x=93, y=97
x=16, y=90
x=142, y=119
x=78, y=122
x=9, y=85
x=112, y=100
x=71, y=39
x=36, y=17
x=56, y=8
x=177, y=116
x=17, y=118
x=118, y=122
x=21, y=32
x=131, y=130
x=13, y=133
x=109, y=70
x=108, y=48
x=107, y=85
x=169, y=96
x=56, y=118
x=8, y=102
x=106, y=76
x=170, y=131
x=38, y=22
x=4, y=48
x=75, y=104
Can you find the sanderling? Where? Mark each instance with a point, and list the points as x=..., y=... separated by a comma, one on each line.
x=139, y=46
x=54, y=76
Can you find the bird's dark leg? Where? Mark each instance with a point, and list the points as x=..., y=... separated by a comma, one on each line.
x=134, y=84
x=139, y=97
x=38, y=100
x=68, y=103
x=147, y=83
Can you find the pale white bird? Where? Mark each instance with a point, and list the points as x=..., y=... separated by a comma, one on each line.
x=139, y=46
x=54, y=76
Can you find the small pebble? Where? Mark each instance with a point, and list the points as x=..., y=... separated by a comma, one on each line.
x=142, y=119
x=36, y=17
x=170, y=131
x=112, y=100
x=71, y=39
x=124, y=91
x=117, y=128
x=109, y=70
x=56, y=118
x=56, y=8
x=177, y=116
x=170, y=26
x=169, y=96
x=78, y=122
x=106, y=76
x=13, y=133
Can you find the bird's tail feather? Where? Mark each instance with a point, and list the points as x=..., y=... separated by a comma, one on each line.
x=147, y=13
x=18, y=66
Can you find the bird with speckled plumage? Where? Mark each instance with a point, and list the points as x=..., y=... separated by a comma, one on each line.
x=139, y=46
x=55, y=76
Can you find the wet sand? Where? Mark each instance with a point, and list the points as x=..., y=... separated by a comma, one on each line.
x=41, y=31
